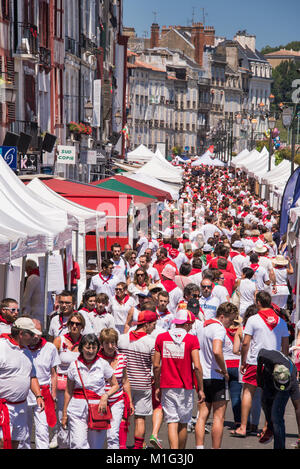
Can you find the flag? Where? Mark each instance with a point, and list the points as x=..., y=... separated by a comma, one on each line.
x=290, y=196
x=126, y=132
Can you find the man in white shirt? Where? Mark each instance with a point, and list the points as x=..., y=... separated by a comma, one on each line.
x=45, y=359
x=142, y=243
x=8, y=314
x=263, y=330
x=208, y=303
x=211, y=338
x=151, y=271
x=209, y=229
x=32, y=297
x=105, y=281
x=119, y=264
x=241, y=260
x=17, y=377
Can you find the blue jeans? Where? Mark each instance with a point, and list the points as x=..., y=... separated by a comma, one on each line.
x=235, y=390
x=274, y=405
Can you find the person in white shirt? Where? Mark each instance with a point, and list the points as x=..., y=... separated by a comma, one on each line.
x=17, y=377
x=209, y=229
x=121, y=307
x=119, y=264
x=261, y=276
x=132, y=265
x=208, y=303
x=45, y=359
x=263, y=330
x=142, y=243
x=151, y=271
x=101, y=318
x=241, y=260
x=8, y=314
x=105, y=281
x=247, y=290
x=211, y=338
x=175, y=255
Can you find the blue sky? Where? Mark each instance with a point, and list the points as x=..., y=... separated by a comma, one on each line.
x=274, y=22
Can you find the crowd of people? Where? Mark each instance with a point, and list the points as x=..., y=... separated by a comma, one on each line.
x=198, y=313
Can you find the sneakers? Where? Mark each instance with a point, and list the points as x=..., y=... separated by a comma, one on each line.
x=266, y=437
x=155, y=442
x=53, y=443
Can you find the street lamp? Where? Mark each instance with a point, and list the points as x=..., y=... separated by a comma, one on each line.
x=118, y=118
x=271, y=123
x=253, y=127
x=287, y=120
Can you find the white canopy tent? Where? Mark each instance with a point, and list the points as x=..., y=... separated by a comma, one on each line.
x=261, y=166
x=239, y=157
x=158, y=169
x=82, y=220
x=166, y=164
x=250, y=156
x=141, y=154
x=276, y=171
x=46, y=228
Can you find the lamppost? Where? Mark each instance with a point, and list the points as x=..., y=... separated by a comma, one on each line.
x=288, y=118
x=271, y=124
x=253, y=128
x=89, y=111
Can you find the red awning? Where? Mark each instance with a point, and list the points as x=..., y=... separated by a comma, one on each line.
x=112, y=203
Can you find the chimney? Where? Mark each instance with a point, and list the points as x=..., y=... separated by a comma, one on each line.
x=154, y=41
x=209, y=33
x=246, y=40
x=198, y=42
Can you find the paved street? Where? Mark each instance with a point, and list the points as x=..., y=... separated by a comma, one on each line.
x=251, y=442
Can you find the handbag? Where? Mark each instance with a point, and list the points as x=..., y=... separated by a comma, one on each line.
x=61, y=382
x=236, y=298
x=96, y=420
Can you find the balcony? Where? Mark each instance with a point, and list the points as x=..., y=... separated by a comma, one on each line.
x=25, y=41
x=45, y=57
x=203, y=81
x=204, y=106
x=87, y=44
x=72, y=46
x=29, y=128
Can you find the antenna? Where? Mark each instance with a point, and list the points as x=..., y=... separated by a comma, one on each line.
x=203, y=15
x=155, y=16
x=193, y=15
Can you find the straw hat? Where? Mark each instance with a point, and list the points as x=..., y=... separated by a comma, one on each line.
x=280, y=260
x=260, y=247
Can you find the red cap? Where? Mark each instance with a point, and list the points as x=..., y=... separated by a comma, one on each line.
x=146, y=316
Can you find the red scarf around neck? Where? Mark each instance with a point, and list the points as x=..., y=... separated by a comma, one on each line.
x=173, y=253
x=136, y=335
x=211, y=321
x=34, y=272
x=96, y=313
x=39, y=345
x=189, y=256
x=103, y=355
x=123, y=300
x=10, y=339
x=231, y=333
x=169, y=285
x=105, y=280
x=5, y=321
x=74, y=344
x=88, y=363
x=88, y=310
x=254, y=267
x=269, y=317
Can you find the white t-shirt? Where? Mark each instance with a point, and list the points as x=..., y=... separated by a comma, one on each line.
x=16, y=371
x=101, y=321
x=209, y=306
x=153, y=274
x=208, y=231
x=44, y=359
x=247, y=290
x=120, y=311
x=58, y=325
x=206, y=336
x=103, y=284
x=260, y=277
x=141, y=245
x=221, y=293
x=119, y=269
x=239, y=262
x=263, y=337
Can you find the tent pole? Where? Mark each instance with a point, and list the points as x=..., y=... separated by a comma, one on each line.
x=297, y=290
x=5, y=279
x=22, y=283
x=46, y=289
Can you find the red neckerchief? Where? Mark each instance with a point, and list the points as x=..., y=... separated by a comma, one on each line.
x=61, y=322
x=102, y=354
x=10, y=339
x=161, y=315
x=189, y=256
x=38, y=346
x=88, y=310
x=96, y=313
x=195, y=271
x=136, y=335
x=269, y=317
x=233, y=254
x=173, y=253
x=83, y=360
x=3, y=320
x=169, y=285
x=34, y=272
x=231, y=333
x=74, y=344
x=211, y=321
x=254, y=267
x=103, y=279
x=124, y=300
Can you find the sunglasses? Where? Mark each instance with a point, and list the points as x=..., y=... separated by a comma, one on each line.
x=119, y=289
x=140, y=275
x=206, y=286
x=13, y=310
x=73, y=323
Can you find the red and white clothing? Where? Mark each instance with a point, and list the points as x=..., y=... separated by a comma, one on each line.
x=281, y=296
x=119, y=270
x=105, y=283
x=45, y=357
x=101, y=321
x=120, y=310
x=16, y=372
x=116, y=402
x=94, y=380
x=263, y=336
x=208, y=332
x=178, y=257
x=247, y=289
x=260, y=276
x=153, y=274
x=231, y=359
x=164, y=321
x=139, y=353
x=239, y=262
x=130, y=270
x=175, y=294
x=209, y=306
x=5, y=326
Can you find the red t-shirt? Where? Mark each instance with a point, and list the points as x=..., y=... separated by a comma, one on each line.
x=229, y=281
x=176, y=360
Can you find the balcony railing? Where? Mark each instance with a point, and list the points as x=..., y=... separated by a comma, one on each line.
x=72, y=46
x=45, y=57
x=26, y=39
x=29, y=128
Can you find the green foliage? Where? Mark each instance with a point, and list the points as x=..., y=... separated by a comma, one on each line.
x=177, y=150
x=294, y=45
x=283, y=76
x=278, y=157
x=260, y=144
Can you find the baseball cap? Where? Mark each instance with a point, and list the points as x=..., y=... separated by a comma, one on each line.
x=281, y=377
x=238, y=244
x=146, y=316
x=183, y=316
x=26, y=324
x=169, y=272
x=207, y=248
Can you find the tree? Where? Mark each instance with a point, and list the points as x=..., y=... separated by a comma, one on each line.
x=283, y=76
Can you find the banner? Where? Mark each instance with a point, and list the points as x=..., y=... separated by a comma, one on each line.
x=66, y=154
x=9, y=154
x=290, y=196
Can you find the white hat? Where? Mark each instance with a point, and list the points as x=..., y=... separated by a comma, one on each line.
x=260, y=247
x=27, y=324
x=238, y=244
x=207, y=247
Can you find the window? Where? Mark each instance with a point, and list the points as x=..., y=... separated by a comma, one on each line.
x=44, y=25
x=4, y=9
x=58, y=18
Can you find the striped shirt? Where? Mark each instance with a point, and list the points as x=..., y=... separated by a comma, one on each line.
x=118, y=372
x=139, y=360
